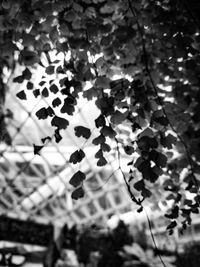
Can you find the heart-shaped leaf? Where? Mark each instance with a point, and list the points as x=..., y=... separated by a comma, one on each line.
x=21, y=95
x=100, y=121
x=78, y=193
x=77, y=178
x=77, y=156
x=42, y=114
x=99, y=140
x=108, y=131
x=27, y=74
x=29, y=85
x=81, y=131
x=59, y=122
x=53, y=88
x=101, y=162
x=56, y=102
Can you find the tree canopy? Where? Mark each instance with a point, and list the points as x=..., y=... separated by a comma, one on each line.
x=152, y=47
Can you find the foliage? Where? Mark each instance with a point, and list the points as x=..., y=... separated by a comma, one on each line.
x=153, y=46
x=190, y=256
x=116, y=247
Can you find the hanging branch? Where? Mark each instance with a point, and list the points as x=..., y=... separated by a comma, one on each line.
x=140, y=29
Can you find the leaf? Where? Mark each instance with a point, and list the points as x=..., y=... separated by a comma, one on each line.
x=45, y=92
x=105, y=104
x=77, y=178
x=129, y=150
x=56, y=102
x=146, y=193
x=145, y=143
x=21, y=95
x=77, y=156
x=50, y=112
x=108, y=131
x=27, y=74
x=57, y=136
x=90, y=93
x=162, y=120
x=172, y=225
x=68, y=106
x=168, y=141
x=78, y=193
x=59, y=122
x=50, y=70
x=100, y=121
x=101, y=162
x=159, y=158
x=42, y=114
x=105, y=147
x=42, y=83
x=102, y=82
x=140, y=209
x=81, y=131
x=18, y=79
x=99, y=140
x=37, y=149
x=147, y=132
x=99, y=154
x=118, y=117
x=174, y=213
x=36, y=93
x=139, y=185
x=29, y=86
x=53, y=88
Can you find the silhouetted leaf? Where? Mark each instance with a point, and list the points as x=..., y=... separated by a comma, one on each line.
x=99, y=154
x=129, y=150
x=36, y=93
x=50, y=70
x=56, y=102
x=29, y=86
x=27, y=74
x=18, y=79
x=77, y=156
x=78, y=193
x=174, y=213
x=37, y=149
x=81, y=131
x=172, y=225
x=168, y=141
x=21, y=95
x=105, y=147
x=139, y=185
x=77, y=178
x=53, y=88
x=108, y=131
x=50, y=112
x=42, y=83
x=99, y=140
x=57, y=136
x=146, y=193
x=118, y=117
x=100, y=121
x=101, y=162
x=42, y=114
x=59, y=122
x=45, y=92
